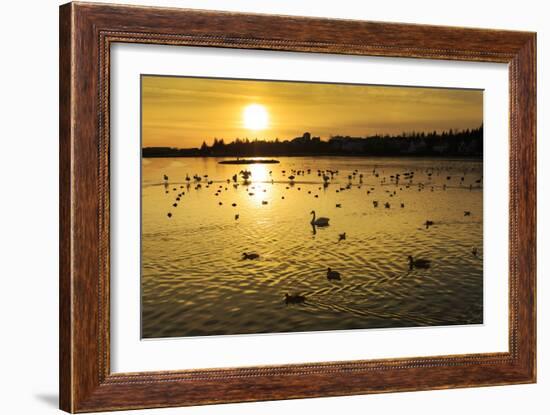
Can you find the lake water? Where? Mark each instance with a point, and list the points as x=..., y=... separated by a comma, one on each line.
x=196, y=282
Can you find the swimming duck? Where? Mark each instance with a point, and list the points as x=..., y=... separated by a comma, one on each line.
x=333, y=275
x=418, y=263
x=294, y=299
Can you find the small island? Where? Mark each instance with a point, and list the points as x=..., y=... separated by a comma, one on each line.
x=250, y=161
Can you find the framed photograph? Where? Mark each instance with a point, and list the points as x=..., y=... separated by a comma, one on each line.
x=260, y=207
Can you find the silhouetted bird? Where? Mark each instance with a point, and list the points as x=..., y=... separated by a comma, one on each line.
x=294, y=299
x=333, y=275
x=318, y=221
x=341, y=237
x=250, y=255
x=418, y=263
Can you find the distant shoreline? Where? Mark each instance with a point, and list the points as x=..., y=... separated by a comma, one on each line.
x=451, y=143
x=426, y=156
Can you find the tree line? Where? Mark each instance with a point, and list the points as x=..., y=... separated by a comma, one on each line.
x=462, y=143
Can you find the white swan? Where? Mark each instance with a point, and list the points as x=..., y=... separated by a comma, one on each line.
x=319, y=221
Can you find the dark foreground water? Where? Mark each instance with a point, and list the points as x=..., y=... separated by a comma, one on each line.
x=195, y=282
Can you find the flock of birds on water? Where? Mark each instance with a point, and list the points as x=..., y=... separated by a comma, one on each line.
x=400, y=180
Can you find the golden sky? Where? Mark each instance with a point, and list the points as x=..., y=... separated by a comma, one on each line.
x=183, y=112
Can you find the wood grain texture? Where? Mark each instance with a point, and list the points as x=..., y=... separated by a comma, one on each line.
x=65, y=247
x=86, y=33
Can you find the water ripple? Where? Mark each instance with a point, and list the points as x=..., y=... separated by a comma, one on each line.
x=196, y=282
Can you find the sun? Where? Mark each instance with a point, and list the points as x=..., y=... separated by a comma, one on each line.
x=255, y=117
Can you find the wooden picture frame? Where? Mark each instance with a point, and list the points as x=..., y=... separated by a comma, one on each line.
x=86, y=33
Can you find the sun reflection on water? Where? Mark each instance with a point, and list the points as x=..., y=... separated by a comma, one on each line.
x=259, y=172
